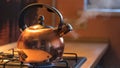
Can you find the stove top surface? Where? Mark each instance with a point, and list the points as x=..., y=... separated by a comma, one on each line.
x=72, y=61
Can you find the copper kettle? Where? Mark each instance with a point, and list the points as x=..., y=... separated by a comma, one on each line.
x=40, y=43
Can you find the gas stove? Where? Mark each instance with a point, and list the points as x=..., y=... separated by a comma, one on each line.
x=70, y=60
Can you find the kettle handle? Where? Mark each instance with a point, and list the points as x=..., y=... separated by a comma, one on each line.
x=23, y=26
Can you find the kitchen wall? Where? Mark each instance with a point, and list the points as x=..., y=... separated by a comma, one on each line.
x=106, y=27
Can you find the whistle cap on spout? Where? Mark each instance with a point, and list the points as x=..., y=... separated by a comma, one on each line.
x=65, y=29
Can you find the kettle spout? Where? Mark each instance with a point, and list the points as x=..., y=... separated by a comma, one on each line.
x=64, y=29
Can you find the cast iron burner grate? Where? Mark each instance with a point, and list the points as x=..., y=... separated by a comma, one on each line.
x=72, y=61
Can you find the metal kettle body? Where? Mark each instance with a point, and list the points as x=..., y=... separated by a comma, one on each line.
x=39, y=43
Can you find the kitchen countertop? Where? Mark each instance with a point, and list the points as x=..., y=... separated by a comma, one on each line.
x=92, y=51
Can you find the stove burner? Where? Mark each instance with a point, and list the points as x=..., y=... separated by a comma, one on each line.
x=70, y=60
x=60, y=64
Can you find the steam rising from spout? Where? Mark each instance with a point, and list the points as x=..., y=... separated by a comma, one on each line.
x=97, y=7
x=85, y=16
x=90, y=13
x=104, y=4
x=74, y=34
